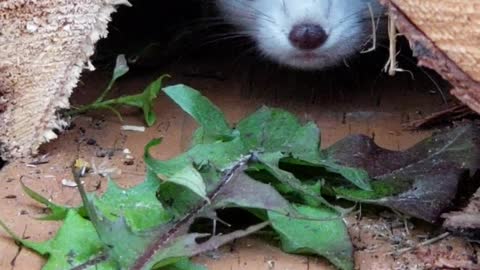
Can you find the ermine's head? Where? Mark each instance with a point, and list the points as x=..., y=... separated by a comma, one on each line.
x=305, y=34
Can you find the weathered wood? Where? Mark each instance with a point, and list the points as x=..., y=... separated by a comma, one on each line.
x=44, y=46
x=445, y=36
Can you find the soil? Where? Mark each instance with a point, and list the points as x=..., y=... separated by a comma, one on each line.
x=340, y=102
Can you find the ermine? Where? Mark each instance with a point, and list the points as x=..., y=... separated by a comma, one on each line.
x=306, y=34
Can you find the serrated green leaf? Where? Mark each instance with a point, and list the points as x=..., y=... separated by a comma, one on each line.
x=327, y=169
x=305, y=143
x=270, y=164
x=190, y=178
x=329, y=239
x=178, y=200
x=275, y=130
x=208, y=116
x=219, y=154
x=188, y=245
x=380, y=190
x=154, y=217
x=40, y=248
x=138, y=205
x=57, y=212
x=164, y=244
x=268, y=129
x=76, y=243
x=145, y=100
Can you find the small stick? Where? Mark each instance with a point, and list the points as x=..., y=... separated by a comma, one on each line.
x=424, y=243
x=392, y=36
x=374, y=30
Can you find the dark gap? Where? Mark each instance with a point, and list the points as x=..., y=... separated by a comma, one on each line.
x=175, y=37
x=232, y=219
x=2, y=163
x=165, y=31
x=466, y=189
x=173, y=31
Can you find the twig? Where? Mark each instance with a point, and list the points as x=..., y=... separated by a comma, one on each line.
x=421, y=244
x=451, y=114
x=374, y=30
x=392, y=35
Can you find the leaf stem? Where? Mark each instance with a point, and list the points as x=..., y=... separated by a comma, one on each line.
x=103, y=105
x=105, y=92
x=92, y=262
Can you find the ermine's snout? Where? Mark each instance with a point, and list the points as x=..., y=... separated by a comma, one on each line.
x=307, y=36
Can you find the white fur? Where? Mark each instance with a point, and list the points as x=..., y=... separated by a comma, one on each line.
x=268, y=23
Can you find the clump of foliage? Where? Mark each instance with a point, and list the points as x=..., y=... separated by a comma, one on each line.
x=143, y=101
x=271, y=165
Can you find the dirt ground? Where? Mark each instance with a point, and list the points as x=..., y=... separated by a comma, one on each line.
x=340, y=105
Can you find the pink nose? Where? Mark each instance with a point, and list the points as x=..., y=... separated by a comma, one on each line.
x=307, y=36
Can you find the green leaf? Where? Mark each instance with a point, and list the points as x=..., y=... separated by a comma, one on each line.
x=329, y=239
x=144, y=100
x=266, y=130
x=138, y=205
x=76, y=243
x=121, y=68
x=327, y=169
x=284, y=163
x=380, y=189
x=57, y=212
x=187, y=245
x=305, y=143
x=358, y=177
x=165, y=168
x=208, y=116
x=165, y=243
x=190, y=178
x=269, y=130
x=275, y=130
x=219, y=154
x=270, y=164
